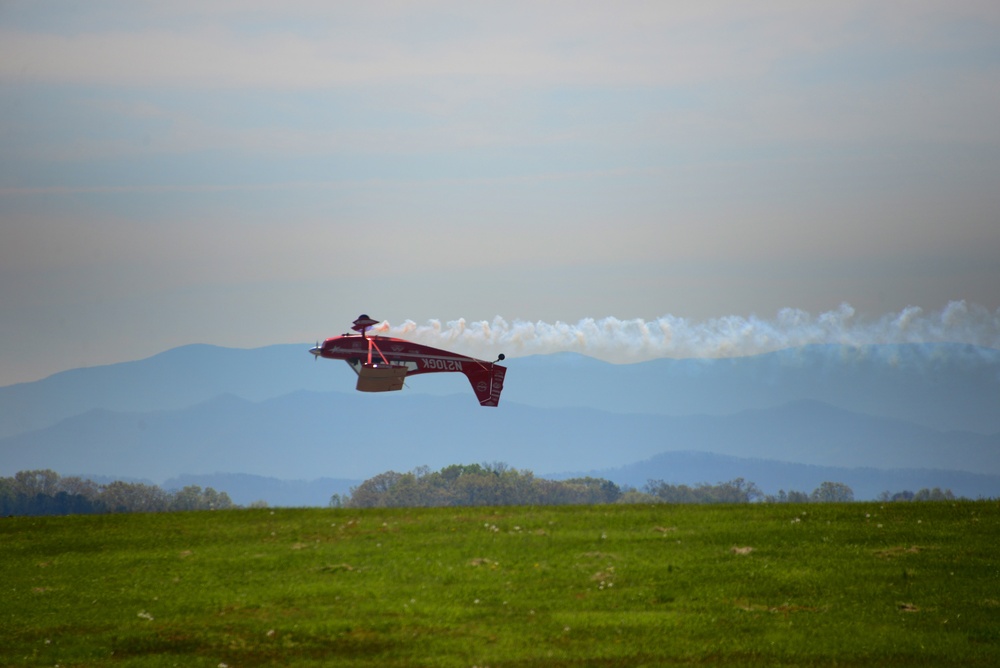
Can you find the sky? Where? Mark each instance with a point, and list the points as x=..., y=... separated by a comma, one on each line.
x=724, y=177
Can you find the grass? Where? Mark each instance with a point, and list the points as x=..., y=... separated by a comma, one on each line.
x=782, y=585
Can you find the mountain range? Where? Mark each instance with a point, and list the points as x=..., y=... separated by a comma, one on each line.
x=875, y=417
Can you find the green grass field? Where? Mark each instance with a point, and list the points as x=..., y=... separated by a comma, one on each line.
x=765, y=585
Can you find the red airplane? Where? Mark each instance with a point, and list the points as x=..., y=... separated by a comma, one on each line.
x=382, y=362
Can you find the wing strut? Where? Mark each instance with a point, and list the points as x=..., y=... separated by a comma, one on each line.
x=375, y=376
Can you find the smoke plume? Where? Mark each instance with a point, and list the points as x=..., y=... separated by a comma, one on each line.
x=624, y=341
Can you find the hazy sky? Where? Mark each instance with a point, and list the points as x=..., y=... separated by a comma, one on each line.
x=245, y=173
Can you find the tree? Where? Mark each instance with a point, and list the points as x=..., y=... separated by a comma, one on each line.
x=214, y=500
x=832, y=492
x=734, y=491
x=372, y=493
x=635, y=497
x=8, y=496
x=936, y=494
x=788, y=497
x=737, y=490
x=188, y=498
x=194, y=497
x=133, y=497
x=43, y=492
x=477, y=489
x=593, y=490
x=405, y=492
x=31, y=483
x=80, y=486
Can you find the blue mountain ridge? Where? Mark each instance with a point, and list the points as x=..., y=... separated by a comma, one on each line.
x=177, y=378
x=943, y=386
x=306, y=435
x=275, y=413
x=770, y=476
x=245, y=490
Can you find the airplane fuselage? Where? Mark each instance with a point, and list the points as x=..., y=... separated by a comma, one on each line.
x=417, y=357
x=369, y=350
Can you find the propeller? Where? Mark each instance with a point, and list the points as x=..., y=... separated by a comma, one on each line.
x=316, y=351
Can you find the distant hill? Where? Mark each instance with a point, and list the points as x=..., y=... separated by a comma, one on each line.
x=178, y=378
x=693, y=468
x=678, y=468
x=274, y=413
x=942, y=386
x=245, y=490
x=306, y=435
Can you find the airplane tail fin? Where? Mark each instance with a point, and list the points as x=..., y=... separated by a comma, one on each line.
x=487, y=383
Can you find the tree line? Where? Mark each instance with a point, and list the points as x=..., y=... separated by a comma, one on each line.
x=476, y=485
x=500, y=485
x=936, y=494
x=44, y=492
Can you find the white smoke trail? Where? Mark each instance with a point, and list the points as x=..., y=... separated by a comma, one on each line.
x=624, y=341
